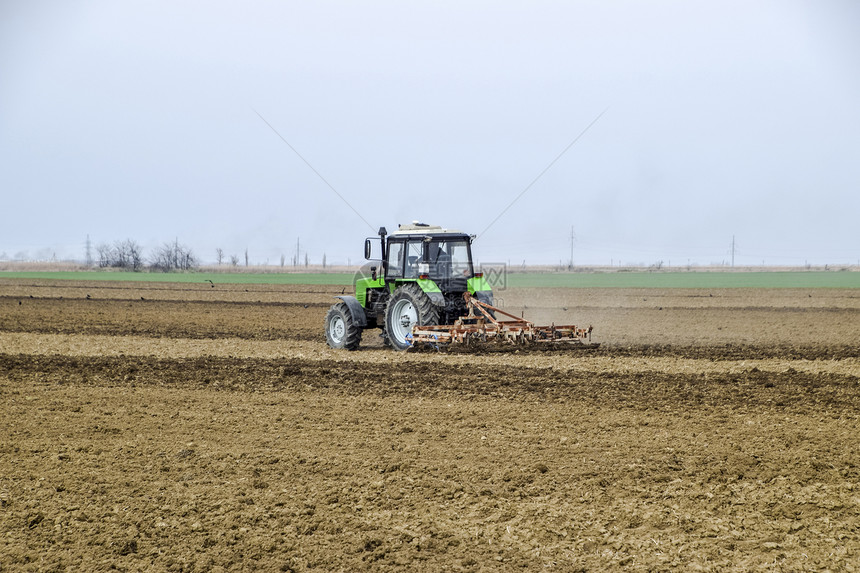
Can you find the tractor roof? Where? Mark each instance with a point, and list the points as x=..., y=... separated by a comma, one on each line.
x=423, y=229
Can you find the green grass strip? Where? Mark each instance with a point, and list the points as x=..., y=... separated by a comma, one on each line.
x=697, y=280
x=663, y=280
x=217, y=278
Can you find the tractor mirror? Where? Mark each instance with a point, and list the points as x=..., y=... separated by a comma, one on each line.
x=367, y=248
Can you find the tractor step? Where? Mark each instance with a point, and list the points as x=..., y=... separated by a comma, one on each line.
x=481, y=326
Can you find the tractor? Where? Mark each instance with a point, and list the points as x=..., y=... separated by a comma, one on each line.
x=420, y=279
x=424, y=291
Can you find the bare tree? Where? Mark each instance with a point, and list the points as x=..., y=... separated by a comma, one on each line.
x=162, y=259
x=173, y=257
x=234, y=260
x=105, y=254
x=129, y=255
x=246, y=256
x=323, y=261
x=120, y=257
x=219, y=255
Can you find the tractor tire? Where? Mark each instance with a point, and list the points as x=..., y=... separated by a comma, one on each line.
x=341, y=330
x=408, y=306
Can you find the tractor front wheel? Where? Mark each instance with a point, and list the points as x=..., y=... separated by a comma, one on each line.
x=409, y=306
x=341, y=331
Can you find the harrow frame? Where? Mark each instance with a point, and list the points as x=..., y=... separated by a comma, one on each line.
x=482, y=326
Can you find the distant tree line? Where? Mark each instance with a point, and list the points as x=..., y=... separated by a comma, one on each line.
x=220, y=258
x=128, y=254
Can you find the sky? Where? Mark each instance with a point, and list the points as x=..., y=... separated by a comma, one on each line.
x=255, y=125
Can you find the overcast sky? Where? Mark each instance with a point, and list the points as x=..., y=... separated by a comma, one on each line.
x=140, y=120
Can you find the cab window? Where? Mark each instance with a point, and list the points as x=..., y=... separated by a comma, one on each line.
x=395, y=259
x=413, y=258
x=450, y=258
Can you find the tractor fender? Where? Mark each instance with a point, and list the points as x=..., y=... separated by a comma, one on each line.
x=431, y=289
x=485, y=296
x=437, y=298
x=355, y=309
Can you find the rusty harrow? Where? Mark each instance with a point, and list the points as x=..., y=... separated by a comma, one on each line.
x=481, y=325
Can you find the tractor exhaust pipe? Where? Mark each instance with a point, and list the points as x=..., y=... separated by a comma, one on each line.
x=382, y=234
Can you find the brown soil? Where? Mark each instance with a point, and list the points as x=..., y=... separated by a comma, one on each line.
x=207, y=428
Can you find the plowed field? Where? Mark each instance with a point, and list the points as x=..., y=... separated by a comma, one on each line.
x=209, y=428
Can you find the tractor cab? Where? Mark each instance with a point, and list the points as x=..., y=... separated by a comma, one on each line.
x=430, y=253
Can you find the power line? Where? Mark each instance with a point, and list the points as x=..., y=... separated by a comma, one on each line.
x=545, y=169
x=342, y=198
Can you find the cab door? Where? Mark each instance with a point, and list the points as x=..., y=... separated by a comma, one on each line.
x=394, y=262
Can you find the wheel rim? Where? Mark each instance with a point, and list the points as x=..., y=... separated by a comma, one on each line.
x=337, y=329
x=403, y=318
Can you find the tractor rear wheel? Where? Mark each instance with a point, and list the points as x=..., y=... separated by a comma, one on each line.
x=408, y=306
x=341, y=330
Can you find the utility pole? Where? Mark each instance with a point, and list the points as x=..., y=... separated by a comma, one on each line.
x=89, y=259
x=572, y=237
x=733, y=251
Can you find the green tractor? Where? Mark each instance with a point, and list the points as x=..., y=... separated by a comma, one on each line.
x=420, y=279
